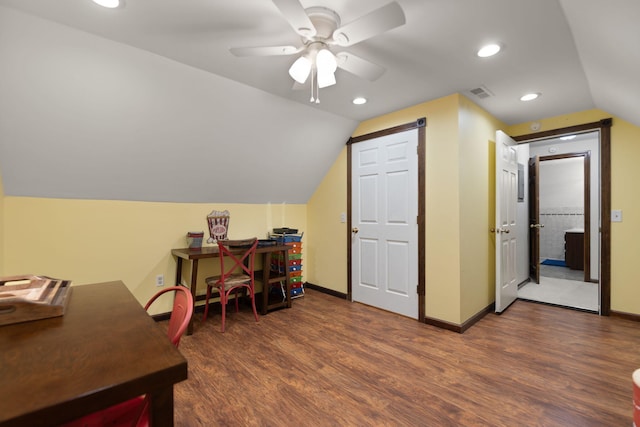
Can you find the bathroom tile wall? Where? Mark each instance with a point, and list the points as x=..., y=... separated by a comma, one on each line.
x=556, y=221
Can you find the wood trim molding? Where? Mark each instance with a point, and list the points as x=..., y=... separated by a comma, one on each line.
x=326, y=291
x=623, y=315
x=454, y=327
x=419, y=124
x=479, y=315
x=442, y=324
x=586, y=179
x=604, y=127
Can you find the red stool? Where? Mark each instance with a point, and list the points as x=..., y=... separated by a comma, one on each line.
x=636, y=397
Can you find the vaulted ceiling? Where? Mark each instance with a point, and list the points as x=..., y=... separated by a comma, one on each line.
x=145, y=102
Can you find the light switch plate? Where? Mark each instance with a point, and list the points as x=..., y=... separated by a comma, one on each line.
x=616, y=216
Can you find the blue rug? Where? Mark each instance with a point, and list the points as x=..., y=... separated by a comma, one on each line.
x=555, y=262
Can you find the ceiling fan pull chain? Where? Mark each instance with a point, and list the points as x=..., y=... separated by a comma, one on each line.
x=317, y=89
x=312, y=98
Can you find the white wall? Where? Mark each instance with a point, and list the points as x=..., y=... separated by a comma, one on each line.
x=591, y=144
x=561, y=185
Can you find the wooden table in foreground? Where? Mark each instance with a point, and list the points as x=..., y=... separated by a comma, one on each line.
x=106, y=349
x=268, y=277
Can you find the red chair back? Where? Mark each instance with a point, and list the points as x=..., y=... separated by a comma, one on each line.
x=181, y=313
x=245, y=260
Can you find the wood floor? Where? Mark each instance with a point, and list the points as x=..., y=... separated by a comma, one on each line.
x=329, y=362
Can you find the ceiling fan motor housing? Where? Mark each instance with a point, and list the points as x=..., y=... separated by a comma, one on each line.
x=325, y=20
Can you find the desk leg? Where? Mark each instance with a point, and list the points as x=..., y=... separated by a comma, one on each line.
x=194, y=285
x=266, y=268
x=178, y=271
x=161, y=407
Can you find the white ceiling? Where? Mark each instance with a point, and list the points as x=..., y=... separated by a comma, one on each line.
x=579, y=54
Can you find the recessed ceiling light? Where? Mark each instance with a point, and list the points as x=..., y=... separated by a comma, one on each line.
x=489, y=50
x=359, y=100
x=111, y=4
x=529, y=97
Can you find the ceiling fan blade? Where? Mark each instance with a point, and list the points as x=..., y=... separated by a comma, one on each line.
x=359, y=67
x=295, y=14
x=372, y=24
x=265, y=51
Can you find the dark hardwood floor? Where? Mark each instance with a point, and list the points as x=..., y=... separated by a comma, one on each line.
x=329, y=362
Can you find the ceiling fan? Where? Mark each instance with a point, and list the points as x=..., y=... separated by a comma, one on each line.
x=321, y=31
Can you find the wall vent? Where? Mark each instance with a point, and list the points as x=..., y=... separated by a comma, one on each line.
x=481, y=92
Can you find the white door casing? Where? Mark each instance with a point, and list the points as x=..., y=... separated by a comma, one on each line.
x=384, y=222
x=505, y=226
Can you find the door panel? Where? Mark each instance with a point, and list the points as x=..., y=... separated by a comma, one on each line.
x=506, y=224
x=384, y=221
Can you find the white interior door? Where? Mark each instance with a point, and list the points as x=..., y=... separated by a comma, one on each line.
x=506, y=231
x=384, y=222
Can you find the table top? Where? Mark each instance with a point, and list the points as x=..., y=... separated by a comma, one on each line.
x=214, y=251
x=104, y=350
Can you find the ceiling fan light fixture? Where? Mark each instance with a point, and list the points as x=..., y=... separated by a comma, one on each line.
x=326, y=61
x=326, y=66
x=300, y=69
x=326, y=79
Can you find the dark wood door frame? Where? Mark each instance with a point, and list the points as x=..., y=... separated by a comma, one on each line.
x=534, y=219
x=586, y=178
x=420, y=125
x=604, y=128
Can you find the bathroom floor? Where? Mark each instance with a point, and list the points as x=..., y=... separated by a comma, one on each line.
x=562, y=286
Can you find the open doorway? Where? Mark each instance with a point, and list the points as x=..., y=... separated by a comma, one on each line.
x=562, y=208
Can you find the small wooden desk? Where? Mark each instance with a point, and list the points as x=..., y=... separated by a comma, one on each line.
x=106, y=349
x=268, y=277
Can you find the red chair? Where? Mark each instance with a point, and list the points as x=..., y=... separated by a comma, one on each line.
x=635, y=377
x=135, y=412
x=181, y=313
x=237, y=258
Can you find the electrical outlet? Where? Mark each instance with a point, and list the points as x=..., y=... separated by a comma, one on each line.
x=343, y=217
x=160, y=280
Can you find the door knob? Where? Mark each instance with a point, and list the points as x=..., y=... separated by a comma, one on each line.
x=500, y=230
x=355, y=230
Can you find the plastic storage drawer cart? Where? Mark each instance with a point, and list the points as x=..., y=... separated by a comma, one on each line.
x=293, y=240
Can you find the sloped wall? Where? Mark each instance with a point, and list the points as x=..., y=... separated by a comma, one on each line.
x=94, y=241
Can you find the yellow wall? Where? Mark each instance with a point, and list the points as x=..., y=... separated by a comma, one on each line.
x=477, y=207
x=442, y=231
x=625, y=244
x=325, y=260
x=454, y=179
x=91, y=241
x=460, y=182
